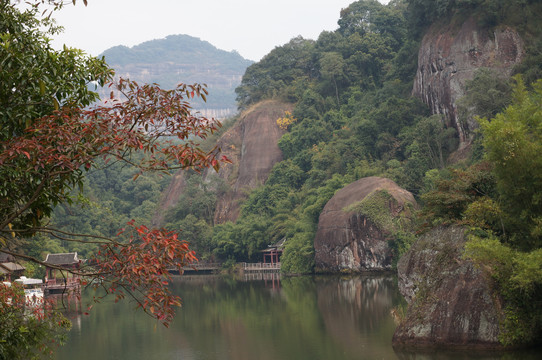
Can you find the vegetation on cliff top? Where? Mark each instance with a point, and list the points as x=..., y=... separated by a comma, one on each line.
x=355, y=117
x=499, y=200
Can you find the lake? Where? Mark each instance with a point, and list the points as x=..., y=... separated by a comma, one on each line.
x=287, y=318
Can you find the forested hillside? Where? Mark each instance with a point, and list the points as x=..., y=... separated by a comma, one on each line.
x=354, y=116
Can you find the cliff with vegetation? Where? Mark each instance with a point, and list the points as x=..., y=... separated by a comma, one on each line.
x=450, y=55
x=450, y=301
x=391, y=93
x=251, y=146
x=253, y=150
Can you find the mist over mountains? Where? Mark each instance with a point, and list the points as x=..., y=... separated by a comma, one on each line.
x=187, y=59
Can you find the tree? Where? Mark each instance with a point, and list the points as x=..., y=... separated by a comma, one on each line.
x=23, y=330
x=276, y=72
x=513, y=144
x=332, y=67
x=48, y=140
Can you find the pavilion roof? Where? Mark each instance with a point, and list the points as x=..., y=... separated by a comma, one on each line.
x=62, y=259
x=277, y=246
x=11, y=266
x=4, y=257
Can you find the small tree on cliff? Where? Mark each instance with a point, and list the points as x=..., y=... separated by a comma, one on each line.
x=48, y=140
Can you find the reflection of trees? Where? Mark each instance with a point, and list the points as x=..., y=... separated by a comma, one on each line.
x=70, y=306
x=356, y=310
x=223, y=318
x=362, y=301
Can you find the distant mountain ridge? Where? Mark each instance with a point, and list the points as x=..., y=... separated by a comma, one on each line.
x=187, y=59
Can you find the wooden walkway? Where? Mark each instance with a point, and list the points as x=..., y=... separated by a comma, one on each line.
x=197, y=268
x=211, y=268
x=261, y=267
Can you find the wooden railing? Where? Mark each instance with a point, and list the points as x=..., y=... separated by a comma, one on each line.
x=261, y=266
x=203, y=266
x=67, y=281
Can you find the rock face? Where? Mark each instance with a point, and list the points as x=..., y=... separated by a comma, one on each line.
x=450, y=302
x=351, y=239
x=449, y=56
x=252, y=146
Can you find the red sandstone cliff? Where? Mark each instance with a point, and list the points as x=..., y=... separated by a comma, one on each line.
x=450, y=300
x=251, y=145
x=449, y=56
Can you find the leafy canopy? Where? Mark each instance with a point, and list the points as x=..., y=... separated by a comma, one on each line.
x=52, y=132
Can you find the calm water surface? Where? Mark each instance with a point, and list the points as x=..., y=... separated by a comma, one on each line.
x=312, y=318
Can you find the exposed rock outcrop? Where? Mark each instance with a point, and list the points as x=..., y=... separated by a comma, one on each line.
x=449, y=56
x=354, y=226
x=252, y=146
x=450, y=302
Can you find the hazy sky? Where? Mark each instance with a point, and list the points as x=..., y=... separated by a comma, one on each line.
x=252, y=27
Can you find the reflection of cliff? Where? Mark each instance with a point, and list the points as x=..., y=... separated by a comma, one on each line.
x=356, y=311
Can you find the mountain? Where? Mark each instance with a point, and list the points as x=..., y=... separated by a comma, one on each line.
x=187, y=59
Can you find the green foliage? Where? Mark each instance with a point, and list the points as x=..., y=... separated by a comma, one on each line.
x=197, y=199
x=27, y=334
x=453, y=193
x=375, y=207
x=287, y=174
x=243, y=240
x=298, y=257
x=35, y=81
x=423, y=13
x=518, y=279
x=285, y=66
x=110, y=197
x=487, y=94
x=513, y=144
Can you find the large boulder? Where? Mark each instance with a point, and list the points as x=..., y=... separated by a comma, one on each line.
x=450, y=301
x=450, y=55
x=356, y=224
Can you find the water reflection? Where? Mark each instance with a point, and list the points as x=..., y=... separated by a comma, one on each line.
x=70, y=305
x=439, y=354
x=268, y=317
x=356, y=313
